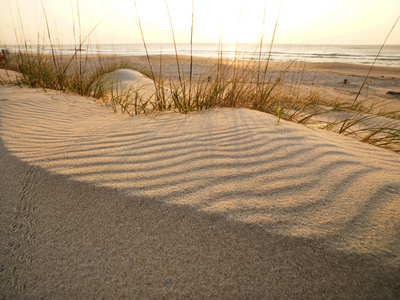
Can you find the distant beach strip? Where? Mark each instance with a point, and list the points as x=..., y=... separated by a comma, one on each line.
x=354, y=54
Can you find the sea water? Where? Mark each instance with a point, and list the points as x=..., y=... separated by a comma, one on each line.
x=355, y=54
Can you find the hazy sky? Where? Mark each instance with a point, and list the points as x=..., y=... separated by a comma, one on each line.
x=300, y=21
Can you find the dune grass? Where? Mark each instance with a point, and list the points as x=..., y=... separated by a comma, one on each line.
x=228, y=83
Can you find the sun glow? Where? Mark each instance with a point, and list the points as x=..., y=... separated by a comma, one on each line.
x=305, y=21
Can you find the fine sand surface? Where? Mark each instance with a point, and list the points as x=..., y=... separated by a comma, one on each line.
x=214, y=204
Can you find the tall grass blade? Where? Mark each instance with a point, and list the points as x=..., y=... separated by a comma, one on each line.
x=342, y=129
x=52, y=48
x=147, y=53
x=272, y=41
x=191, y=58
x=261, y=44
x=176, y=51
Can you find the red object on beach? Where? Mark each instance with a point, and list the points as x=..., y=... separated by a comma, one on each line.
x=2, y=59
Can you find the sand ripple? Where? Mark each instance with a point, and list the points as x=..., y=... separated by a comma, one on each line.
x=289, y=179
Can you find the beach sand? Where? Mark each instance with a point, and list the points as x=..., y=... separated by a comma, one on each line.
x=214, y=204
x=324, y=79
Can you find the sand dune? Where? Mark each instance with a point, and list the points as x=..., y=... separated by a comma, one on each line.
x=221, y=203
x=132, y=86
x=124, y=79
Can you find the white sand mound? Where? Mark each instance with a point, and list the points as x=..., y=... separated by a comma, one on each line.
x=220, y=203
x=127, y=81
x=129, y=77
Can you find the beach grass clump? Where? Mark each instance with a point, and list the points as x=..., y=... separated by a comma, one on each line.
x=216, y=87
x=39, y=70
x=124, y=99
x=78, y=75
x=227, y=83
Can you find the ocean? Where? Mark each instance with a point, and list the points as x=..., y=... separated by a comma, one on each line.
x=355, y=54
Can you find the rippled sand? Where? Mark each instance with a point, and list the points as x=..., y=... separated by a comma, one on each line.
x=221, y=203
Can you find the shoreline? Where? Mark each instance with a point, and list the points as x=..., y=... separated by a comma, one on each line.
x=363, y=54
